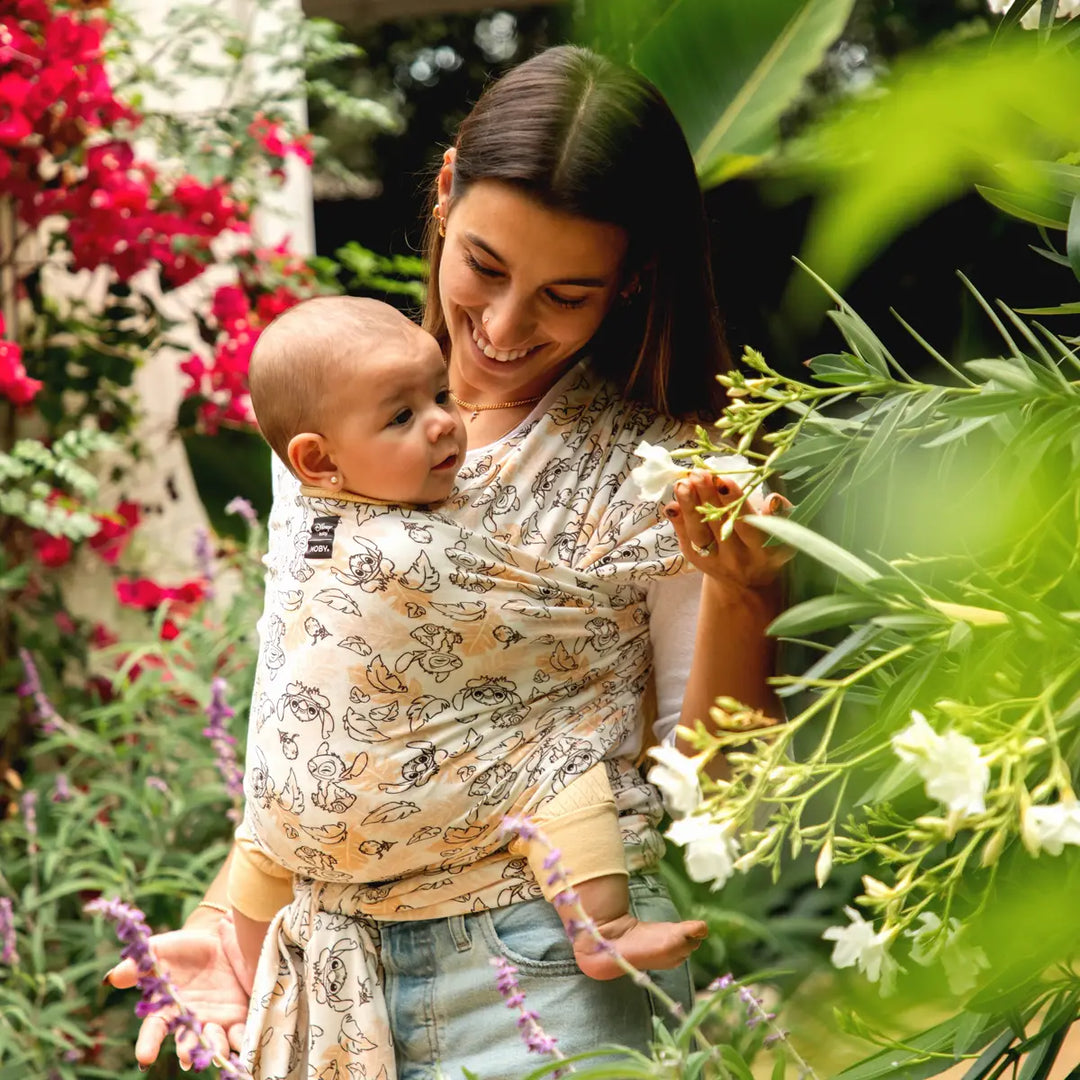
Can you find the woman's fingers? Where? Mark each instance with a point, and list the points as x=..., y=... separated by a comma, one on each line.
x=214, y=1035
x=123, y=976
x=236, y=1036
x=742, y=556
x=151, y=1035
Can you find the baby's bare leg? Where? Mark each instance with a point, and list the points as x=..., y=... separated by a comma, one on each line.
x=648, y=946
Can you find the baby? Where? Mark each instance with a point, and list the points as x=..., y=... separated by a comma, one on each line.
x=355, y=399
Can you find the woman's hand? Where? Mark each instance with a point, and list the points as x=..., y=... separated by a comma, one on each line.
x=742, y=560
x=199, y=967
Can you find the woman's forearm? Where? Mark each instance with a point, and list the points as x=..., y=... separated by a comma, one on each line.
x=217, y=894
x=733, y=656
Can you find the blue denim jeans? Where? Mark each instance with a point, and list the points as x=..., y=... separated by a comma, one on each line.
x=445, y=1010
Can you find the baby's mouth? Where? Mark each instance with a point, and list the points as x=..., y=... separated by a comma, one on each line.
x=447, y=462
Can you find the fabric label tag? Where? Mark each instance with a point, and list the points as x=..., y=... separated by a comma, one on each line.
x=320, y=543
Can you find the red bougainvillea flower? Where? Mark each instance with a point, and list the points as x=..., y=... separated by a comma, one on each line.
x=15, y=126
x=115, y=531
x=146, y=595
x=231, y=305
x=15, y=384
x=52, y=551
x=142, y=593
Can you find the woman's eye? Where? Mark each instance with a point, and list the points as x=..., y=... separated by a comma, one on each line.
x=478, y=267
x=442, y=397
x=402, y=417
x=565, y=302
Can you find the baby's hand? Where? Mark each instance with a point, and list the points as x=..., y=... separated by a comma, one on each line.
x=742, y=559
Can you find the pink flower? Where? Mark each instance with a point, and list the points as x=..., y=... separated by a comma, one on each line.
x=230, y=305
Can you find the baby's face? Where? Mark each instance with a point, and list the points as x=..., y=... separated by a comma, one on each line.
x=398, y=434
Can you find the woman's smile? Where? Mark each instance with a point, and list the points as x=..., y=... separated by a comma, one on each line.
x=503, y=356
x=523, y=289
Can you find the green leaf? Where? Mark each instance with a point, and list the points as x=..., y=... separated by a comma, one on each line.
x=730, y=69
x=987, y=403
x=840, y=369
x=1072, y=239
x=816, y=546
x=861, y=340
x=1012, y=373
x=823, y=612
x=894, y=155
x=912, y=1064
x=1040, y=1060
x=1039, y=210
x=735, y=1062
x=901, y=777
x=1061, y=309
x=990, y=1056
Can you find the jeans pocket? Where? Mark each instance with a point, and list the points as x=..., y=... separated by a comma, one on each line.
x=531, y=936
x=650, y=902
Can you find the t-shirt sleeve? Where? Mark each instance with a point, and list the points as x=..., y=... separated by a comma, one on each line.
x=673, y=604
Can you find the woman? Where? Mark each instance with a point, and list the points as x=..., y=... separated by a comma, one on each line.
x=571, y=294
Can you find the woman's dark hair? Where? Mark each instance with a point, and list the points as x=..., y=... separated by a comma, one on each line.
x=584, y=136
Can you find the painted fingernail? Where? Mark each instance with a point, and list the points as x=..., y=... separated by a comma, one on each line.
x=671, y=512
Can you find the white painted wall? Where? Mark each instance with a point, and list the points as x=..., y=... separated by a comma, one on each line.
x=162, y=483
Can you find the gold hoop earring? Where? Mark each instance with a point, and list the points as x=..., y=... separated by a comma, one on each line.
x=436, y=213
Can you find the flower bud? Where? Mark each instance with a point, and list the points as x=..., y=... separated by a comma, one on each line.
x=876, y=890
x=823, y=866
x=993, y=847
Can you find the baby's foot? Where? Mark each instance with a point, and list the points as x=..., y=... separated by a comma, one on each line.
x=649, y=946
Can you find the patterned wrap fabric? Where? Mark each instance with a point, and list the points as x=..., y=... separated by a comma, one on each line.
x=424, y=672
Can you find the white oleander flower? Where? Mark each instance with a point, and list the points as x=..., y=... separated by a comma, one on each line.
x=1050, y=828
x=951, y=766
x=859, y=946
x=659, y=470
x=1066, y=9
x=657, y=473
x=677, y=778
x=731, y=467
x=709, y=848
x=962, y=964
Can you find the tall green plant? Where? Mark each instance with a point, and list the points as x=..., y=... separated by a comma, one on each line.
x=934, y=733
x=728, y=69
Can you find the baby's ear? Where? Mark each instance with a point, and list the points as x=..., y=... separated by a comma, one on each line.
x=309, y=456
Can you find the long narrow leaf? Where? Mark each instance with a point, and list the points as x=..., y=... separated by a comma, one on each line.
x=816, y=546
x=729, y=69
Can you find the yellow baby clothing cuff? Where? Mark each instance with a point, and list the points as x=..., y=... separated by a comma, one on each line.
x=258, y=887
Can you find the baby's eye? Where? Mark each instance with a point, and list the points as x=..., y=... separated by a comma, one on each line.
x=402, y=417
x=442, y=397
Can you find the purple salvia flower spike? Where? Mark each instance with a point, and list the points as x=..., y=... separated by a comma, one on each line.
x=156, y=989
x=218, y=713
x=8, y=955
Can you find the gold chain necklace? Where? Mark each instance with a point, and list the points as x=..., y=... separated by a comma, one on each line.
x=477, y=409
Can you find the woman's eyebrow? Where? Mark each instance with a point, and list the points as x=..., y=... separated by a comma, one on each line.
x=585, y=282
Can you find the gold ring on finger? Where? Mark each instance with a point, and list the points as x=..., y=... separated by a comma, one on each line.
x=706, y=551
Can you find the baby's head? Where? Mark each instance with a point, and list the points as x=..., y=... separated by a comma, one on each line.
x=352, y=396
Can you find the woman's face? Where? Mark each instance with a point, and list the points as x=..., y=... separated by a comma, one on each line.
x=523, y=289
